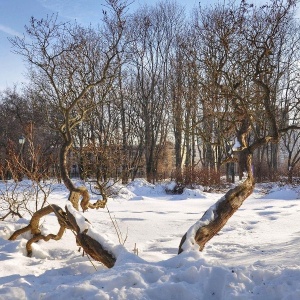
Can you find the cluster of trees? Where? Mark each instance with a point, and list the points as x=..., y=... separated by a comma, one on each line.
x=133, y=86
x=118, y=94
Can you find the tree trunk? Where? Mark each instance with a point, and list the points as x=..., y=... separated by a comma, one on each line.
x=217, y=215
x=290, y=174
x=66, y=220
x=75, y=192
x=89, y=244
x=242, y=165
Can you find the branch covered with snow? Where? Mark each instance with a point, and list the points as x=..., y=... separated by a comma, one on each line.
x=94, y=244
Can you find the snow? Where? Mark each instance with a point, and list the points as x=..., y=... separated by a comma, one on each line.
x=255, y=256
x=209, y=216
x=236, y=145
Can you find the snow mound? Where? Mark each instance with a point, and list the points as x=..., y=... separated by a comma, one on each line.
x=193, y=193
x=183, y=277
x=125, y=193
x=171, y=185
x=141, y=187
x=286, y=193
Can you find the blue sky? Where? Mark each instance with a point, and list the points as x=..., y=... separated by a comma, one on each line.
x=15, y=14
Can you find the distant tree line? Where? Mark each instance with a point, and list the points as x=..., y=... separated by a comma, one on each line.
x=160, y=91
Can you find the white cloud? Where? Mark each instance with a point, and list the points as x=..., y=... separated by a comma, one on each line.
x=84, y=11
x=10, y=31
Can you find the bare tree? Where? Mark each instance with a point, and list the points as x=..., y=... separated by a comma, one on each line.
x=250, y=63
x=153, y=33
x=67, y=63
x=291, y=144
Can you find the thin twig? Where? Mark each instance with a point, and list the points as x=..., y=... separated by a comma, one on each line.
x=117, y=228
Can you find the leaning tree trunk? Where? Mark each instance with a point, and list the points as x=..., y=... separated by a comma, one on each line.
x=217, y=215
x=215, y=218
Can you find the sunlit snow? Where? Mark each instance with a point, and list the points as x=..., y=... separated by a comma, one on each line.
x=255, y=256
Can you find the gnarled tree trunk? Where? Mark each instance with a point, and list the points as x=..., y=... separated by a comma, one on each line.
x=66, y=220
x=217, y=215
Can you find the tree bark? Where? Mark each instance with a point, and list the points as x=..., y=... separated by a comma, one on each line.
x=46, y=238
x=66, y=220
x=217, y=215
x=91, y=246
x=33, y=226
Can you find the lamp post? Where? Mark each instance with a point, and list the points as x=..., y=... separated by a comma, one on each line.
x=235, y=147
x=21, y=142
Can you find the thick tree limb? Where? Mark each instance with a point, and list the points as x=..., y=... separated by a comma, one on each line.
x=205, y=228
x=67, y=221
x=19, y=232
x=33, y=226
x=46, y=238
x=215, y=218
x=91, y=246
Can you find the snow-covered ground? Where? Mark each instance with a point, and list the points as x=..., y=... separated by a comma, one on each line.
x=255, y=256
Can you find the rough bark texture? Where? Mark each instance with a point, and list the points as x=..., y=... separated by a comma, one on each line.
x=74, y=199
x=80, y=193
x=75, y=192
x=90, y=245
x=46, y=238
x=19, y=232
x=35, y=220
x=33, y=226
x=233, y=199
x=66, y=221
x=95, y=250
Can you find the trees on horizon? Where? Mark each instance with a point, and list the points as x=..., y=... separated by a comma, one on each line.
x=221, y=87
x=172, y=81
